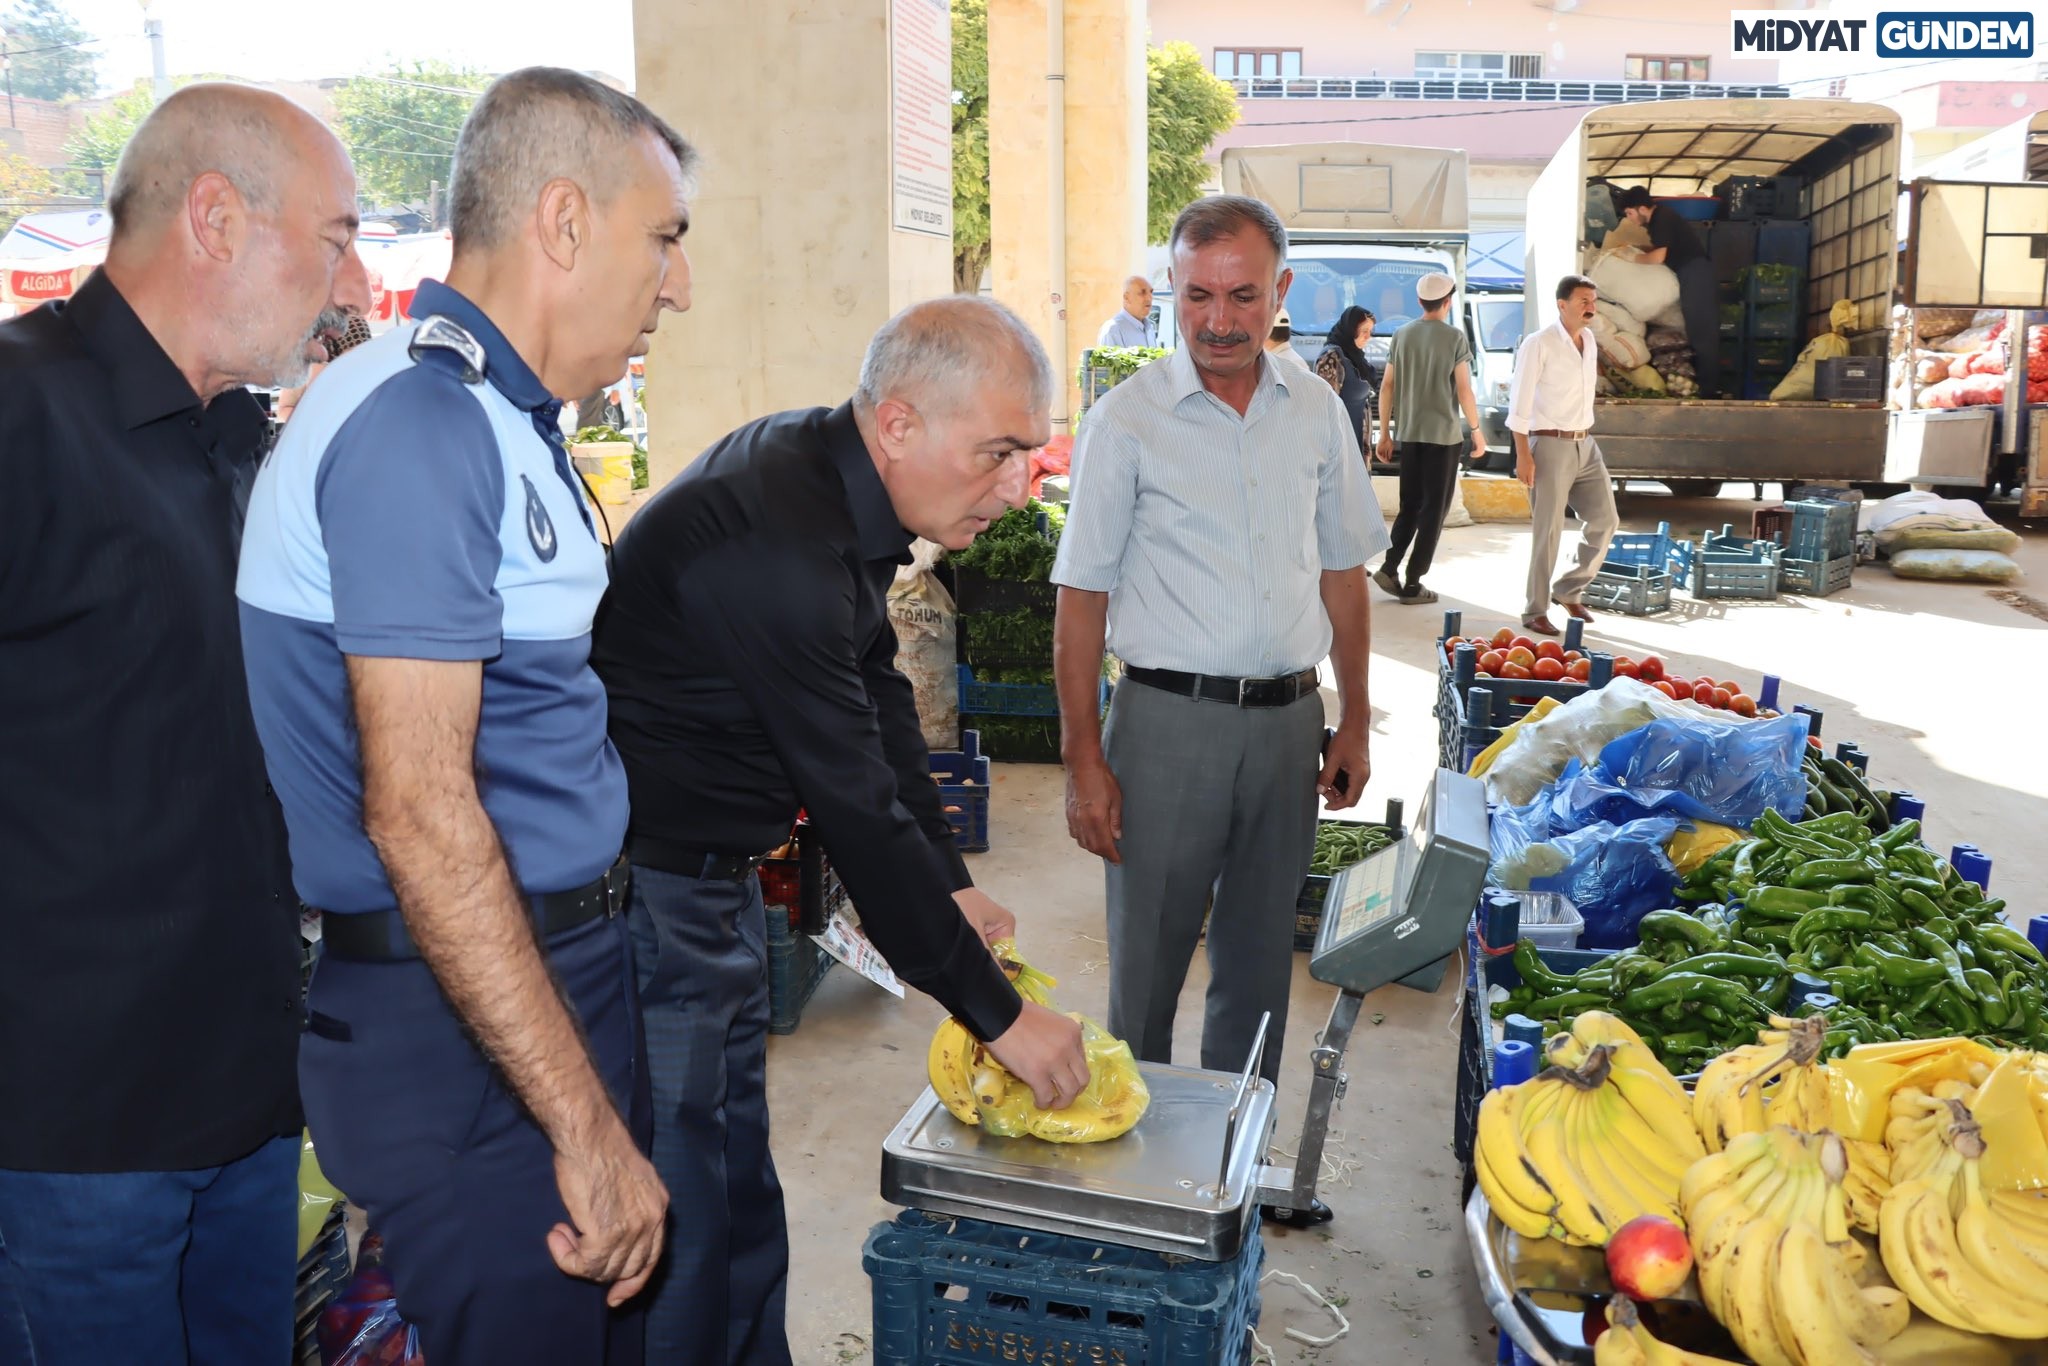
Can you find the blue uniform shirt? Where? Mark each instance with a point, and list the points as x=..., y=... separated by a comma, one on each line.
x=407, y=514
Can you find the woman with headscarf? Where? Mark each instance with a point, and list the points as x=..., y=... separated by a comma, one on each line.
x=1343, y=364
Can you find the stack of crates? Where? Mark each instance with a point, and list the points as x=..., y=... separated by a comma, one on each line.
x=1006, y=666
x=799, y=880
x=1725, y=565
x=963, y=779
x=1820, y=547
x=1772, y=304
x=1637, y=576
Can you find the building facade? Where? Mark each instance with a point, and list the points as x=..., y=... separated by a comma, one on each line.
x=1506, y=80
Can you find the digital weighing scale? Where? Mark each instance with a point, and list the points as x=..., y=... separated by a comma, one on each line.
x=1188, y=1177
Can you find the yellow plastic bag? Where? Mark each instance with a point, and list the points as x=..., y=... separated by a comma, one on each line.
x=1688, y=849
x=316, y=1195
x=1797, y=386
x=1544, y=706
x=979, y=1091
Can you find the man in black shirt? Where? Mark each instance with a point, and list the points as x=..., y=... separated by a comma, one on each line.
x=149, y=945
x=746, y=650
x=1674, y=242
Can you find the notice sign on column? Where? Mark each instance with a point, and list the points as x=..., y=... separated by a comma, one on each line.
x=921, y=141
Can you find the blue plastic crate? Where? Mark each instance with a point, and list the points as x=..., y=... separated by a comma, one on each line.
x=1006, y=699
x=1461, y=735
x=1635, y=592
x=795, y=967
x=1821, y=530
x=1728, y=566
x=959, y=1292
x=1817, y=578
x=1657, y=549
x=963, y=779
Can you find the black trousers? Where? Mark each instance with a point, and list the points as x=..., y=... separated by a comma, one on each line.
x=1428, y=474
x=1699, y=300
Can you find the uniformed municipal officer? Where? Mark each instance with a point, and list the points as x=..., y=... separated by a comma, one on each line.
x=747, y=651
x=417, y=585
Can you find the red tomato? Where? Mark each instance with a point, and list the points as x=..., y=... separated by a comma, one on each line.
x=1661, y=686
x=1550, y=649
x=1721, y=698
x=1548, y=669
x=1503, y=638
x=1523, y=643
x=1742, y=704
x=1522, y=656
x=1451, y=644
x=1653, y=668
x=1490, y=662
x=1581, y=669
x=1513, y=670
x=1627, y=668
x=1703, y=691
x=1681, y=687
x=1573, y=656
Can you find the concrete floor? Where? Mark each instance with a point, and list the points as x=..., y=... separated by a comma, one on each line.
x=1936, y=681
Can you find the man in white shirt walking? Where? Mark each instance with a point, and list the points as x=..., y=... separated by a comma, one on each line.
x=1550, y=411
x=1132, y=325
x=1220, y=524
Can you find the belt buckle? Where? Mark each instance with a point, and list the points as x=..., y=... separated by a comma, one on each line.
x=1244, y=687
x=616, y=881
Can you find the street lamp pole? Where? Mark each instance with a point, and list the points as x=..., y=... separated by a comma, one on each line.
x=153, y=29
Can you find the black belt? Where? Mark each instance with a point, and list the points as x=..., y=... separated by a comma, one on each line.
x=1238, y=692
x=710, y=865
x=381, y=936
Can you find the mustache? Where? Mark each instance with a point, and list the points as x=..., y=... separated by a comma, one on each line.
x=1208, y=338
x=331, y=320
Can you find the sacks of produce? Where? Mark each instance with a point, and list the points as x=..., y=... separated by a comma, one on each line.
x=1963, y=566
x=978, y=1090
x=1797, y=386
x=1617, y=318
x=1625, y=351
x=927, y=651
x=1643, y=289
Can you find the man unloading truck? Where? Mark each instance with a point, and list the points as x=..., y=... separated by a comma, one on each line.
x=1676, y=243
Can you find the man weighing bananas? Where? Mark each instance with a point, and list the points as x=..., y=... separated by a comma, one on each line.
x=746, y=649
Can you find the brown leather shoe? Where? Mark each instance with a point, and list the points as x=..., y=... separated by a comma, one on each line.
x=1575, y=609
x=1540, y=625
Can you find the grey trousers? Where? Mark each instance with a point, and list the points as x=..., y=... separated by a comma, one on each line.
x=1216, y=798
x=1567, y=472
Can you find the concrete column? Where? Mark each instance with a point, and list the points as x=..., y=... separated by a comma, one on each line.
x=1104, y=158
x=793, y=243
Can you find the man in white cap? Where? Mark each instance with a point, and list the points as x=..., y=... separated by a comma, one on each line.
x=1428, y=384
x=1280, y=344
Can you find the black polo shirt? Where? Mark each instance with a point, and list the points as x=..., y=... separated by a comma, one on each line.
x=746, y=648
x=1672, y=230
x=149, y=987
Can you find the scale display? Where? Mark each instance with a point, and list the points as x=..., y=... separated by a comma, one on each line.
x=1406, y=907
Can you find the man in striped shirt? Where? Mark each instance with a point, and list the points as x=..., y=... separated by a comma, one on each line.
x=1216, y=541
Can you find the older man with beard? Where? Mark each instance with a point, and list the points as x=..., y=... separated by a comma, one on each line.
x=149, y=946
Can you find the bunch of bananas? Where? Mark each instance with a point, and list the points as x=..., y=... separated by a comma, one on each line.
x=1629, y=1342
x=1769, y=1225
x=1973, y=1258
x=978, y=1090
x=1599, y=1137
x=1780, y=1079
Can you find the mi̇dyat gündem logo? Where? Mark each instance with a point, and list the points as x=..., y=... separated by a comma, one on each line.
x=1922, y=34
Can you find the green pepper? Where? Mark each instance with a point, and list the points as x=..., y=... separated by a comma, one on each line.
x=1991, y=1002
x=1783, y=903
x=1900, y=835
x=1920, y=904
x=1827, y=921
x=1680, y=986
x=2001, y=935
x=1665, y=926
x=1535, y=972
x=1851, y=983
x=1567, y=1003
x=1777, y=937
x=1897, y=970
x=1829, y=872
x=1931, y=944
x=1728, y=965
x=1957, y=1012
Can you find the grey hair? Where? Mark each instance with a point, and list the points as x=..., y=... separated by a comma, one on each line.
x=1217, y=216
x=537, y=125
x=939, y=351
x=235, y=131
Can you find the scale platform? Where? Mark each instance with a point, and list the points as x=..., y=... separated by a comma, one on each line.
x=1165, y=1185
x=1187, y=1178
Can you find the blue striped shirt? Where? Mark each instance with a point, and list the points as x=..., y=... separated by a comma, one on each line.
x=1210, y=532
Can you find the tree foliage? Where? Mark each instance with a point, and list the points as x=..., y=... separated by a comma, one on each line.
x=22, y=183
x=400, y=127
x=97, y=144
x=970, y=143
x=48, y=57
x=1186, y=106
